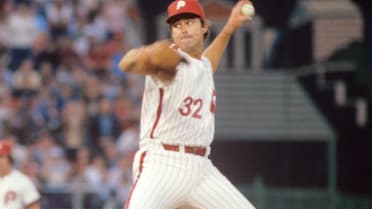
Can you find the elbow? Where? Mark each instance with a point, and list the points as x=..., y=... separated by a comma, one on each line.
x=126, y=65
x=128, y=62
x=123, y=65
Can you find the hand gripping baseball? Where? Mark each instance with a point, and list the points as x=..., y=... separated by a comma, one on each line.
x=162, y=59
x=239, y=15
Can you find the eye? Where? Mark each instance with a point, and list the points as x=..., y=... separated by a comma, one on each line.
x=190, y=22
x=176, y=25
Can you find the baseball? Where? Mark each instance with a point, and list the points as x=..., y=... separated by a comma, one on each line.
x=248, y=9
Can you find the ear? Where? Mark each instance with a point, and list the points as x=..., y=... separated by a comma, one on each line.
x=170, y=34
x=170, y=29
x=205, y=27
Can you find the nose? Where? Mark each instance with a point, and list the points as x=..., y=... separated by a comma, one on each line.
x=183, y=28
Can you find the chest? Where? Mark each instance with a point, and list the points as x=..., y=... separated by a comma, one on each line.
x=193, y=77
x=10, y=192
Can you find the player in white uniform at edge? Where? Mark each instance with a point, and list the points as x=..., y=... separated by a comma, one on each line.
x=16, y=189
x=171, y=168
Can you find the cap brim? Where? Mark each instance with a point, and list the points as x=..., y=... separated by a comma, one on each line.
x=185, y=15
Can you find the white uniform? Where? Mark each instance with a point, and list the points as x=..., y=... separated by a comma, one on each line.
x=17, y=191
x=180, y=113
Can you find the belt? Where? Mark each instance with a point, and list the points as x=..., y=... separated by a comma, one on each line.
x=187, y=149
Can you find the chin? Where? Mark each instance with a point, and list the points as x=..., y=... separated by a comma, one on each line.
x=184, y=45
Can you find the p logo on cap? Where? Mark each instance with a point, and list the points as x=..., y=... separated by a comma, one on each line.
x=180, y=4
x=185, y=7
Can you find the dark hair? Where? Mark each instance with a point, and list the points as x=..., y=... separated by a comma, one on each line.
x=11, y=159
x=176, y=18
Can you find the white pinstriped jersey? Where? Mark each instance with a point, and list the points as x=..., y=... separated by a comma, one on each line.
x=181, y=112
x=17, y=191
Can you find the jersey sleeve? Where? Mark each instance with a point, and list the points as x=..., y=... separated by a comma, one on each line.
x=29, y=192
x=158, y=83
x=207, y=62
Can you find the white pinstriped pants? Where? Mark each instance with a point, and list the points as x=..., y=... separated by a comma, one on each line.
x=168, y=179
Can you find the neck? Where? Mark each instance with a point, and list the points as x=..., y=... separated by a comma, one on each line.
x=196, y=53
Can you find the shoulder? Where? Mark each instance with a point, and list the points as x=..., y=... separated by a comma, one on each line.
x=16, y=173
x=20, y=177
x=205, y=60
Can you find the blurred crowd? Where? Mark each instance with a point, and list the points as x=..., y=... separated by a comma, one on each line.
x=70, y=113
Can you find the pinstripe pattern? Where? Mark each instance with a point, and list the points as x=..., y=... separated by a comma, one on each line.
x=158, y=112
x=143, y=155
x=180, y=113
x=192, y=92
x=164, y=181
x=171, y=179
x=216, y=192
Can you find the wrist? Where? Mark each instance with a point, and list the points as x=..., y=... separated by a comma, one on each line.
x=228, y=30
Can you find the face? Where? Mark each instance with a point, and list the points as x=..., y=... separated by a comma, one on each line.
x=188, y=34
x=4, y=164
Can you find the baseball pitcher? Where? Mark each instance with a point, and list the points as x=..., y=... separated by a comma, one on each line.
x=172, y=168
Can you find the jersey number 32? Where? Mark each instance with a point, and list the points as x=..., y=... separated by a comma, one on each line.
x=192, y=106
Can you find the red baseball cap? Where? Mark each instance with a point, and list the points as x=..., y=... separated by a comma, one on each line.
x=5, y=148
x=185, y=7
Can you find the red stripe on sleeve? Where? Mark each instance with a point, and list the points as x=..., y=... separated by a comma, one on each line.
x=158, y=113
